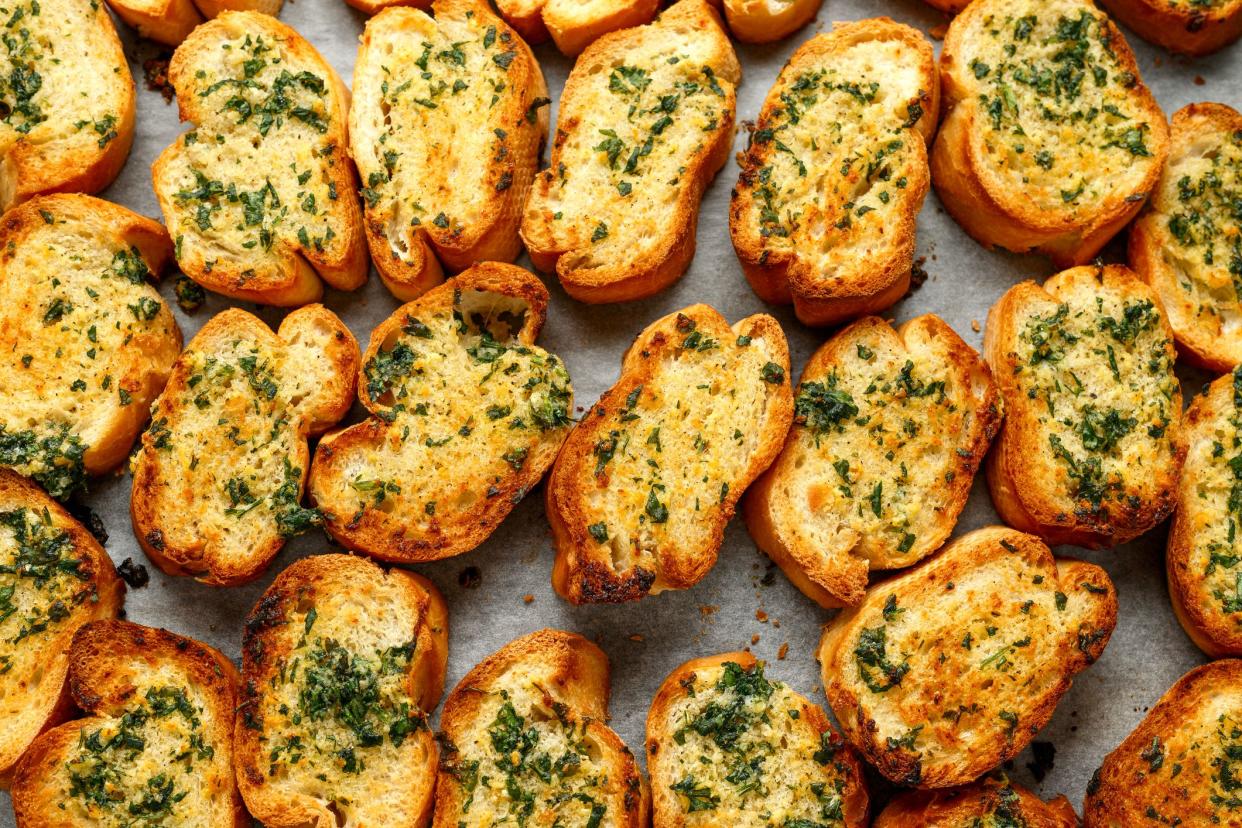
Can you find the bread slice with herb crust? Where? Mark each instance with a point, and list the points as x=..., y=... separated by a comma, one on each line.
x=54, y=578
x=1193, y=27
x=171, y=21
x=994, y=802
x=156, y=746
x=467, y=415
x=68, y=100
x=1205, y=547
x=446, y=126
x=889, y=430
x=1187, y=244
x=646, y=482
x=86, y=342
x=836, y=171
x=1050, y=140
x=218, y=481
x=572, y=24
x=259, y=195
x=1181, y=765
x=645, y=122
x=727, y=746
x=947, y=670
x=1089, y=452
x=342, y=662
x=525, y=740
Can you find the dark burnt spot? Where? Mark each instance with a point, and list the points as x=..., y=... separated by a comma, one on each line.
x=600, y=585
x=155, y=539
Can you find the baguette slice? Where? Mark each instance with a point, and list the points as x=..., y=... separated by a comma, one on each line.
x=86, y=342
x=951, y=668
x=68, y=100
x=342, y=663
x=1052, y=148
x=54, y=578
x=824, y=209
x=889, y=430
x=1203, y=557
x=994, y=801
x=467, y=415
x=525, y=742
x=1198, y=27
x=171, y=21
x=727, y=746
x=766, y=21
x=156, y=746
x=1089, y=450
x=1188, y=242
x=218, y=481
x=260, y=194
x=572, y=24
x=1181, y=762
x=446, y=127
x=643, y=487
x=645, y=122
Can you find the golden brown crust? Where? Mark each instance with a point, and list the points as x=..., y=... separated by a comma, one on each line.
x=1180, y=765
x=790, y=510
x=171, y=21
x=659, y=531
x=973, y=175
x=1046, y=474
x=766, y=21
x=374, y=6
x=1186, y=28
x=836, y=248
x=994, y=797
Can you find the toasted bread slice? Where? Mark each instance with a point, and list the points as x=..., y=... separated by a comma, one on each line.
x=467, y=415
x=644, y=485
x=171, y=21
x=828, y=223
x=86, y=342
x=525, y=741
x=1205, y=579
x=1050, y=140
x=950, y=669
x=645, y=122
x=218, y=481
x=1195, y=28
x=54, y=577
x=446, y=126
x=765, y=21
x=68, y=100
x=1181, y=763
x=1088, y=453
x=156, y=746
x=574, y=24
x=1186, y=243
x=342, y=662
x=727, y=746
x=994, y=801
x=889, y=429
x=260, y=194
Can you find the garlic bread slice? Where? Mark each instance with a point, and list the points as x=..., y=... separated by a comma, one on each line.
x=836, y=171
x=1187, y=244
x=1189, y=28
x=766, y=21
x=993, y=802
x=259, y=195
x=342, y=662
x=642, y=490
x=525, y=741
x=1089, y=451
x=1204, y=555
x=573, y=24
x=728, y=746
x=950, y=669
x=890, y=427
x=644, y=123
x=54, y=578
x=66, y=100
x=446, y=125
x=1050, y=140
x=218, y=481
x=156, y=746
x=86, y=342
x=171, y=21
x=1181, y=765
x=467, y=415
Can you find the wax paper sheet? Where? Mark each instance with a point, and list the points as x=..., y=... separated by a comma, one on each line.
x=501, y=590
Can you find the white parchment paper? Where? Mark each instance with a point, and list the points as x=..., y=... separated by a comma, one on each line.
x=745, y=602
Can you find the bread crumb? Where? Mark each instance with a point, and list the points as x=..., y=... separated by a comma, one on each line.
x=782, y=651
x=974, y=325
x=754, y=639
x=938, y=31
x=761, y=616
x=776, y=623
x=637, y=637
x=528, y=598
x=1199, y=81
x=708, y=609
